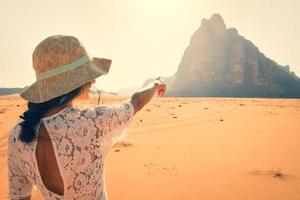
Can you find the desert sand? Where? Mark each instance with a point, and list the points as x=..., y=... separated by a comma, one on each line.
x=195, y=149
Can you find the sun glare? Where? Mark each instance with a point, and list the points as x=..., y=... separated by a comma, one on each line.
x=159, y=8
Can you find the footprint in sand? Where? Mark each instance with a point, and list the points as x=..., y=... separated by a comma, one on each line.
x=158, y=169
x=273, y=113
x=3, y=110
x=276, y=173
x=119, y=145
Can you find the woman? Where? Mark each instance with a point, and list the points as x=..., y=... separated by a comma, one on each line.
x=59, y=148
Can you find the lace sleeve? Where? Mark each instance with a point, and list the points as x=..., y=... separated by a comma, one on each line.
x=114, y=120
x=19, y=186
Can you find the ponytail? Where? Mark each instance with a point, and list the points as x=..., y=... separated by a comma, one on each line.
x=36, y=111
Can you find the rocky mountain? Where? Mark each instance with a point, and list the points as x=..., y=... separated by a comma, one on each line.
x=220, y=62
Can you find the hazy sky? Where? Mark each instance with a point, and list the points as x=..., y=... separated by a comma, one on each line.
x=144, y=38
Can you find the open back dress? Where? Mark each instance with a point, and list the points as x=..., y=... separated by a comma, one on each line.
x=81, y=139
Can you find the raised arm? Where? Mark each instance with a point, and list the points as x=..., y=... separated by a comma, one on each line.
x=143, y=96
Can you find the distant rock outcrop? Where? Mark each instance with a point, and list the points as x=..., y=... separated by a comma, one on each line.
x=168, y=80
x=8, y=91
x=220, y=62
x=128, y=91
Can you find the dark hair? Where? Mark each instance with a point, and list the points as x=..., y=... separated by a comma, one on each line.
x=37, y=110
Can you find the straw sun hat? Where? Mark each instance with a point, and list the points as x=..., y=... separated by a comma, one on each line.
x=61, y=64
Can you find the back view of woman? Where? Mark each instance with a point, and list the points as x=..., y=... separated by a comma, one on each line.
x=59, y=148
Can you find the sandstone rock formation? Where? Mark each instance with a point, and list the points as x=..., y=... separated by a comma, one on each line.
x=220, y=62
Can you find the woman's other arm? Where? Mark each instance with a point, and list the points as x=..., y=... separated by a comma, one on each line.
x=143, y=96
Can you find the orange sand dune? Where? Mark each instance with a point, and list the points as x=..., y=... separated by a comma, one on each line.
x=196, y=148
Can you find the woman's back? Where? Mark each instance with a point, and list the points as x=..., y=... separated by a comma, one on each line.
x=73, y=168
x=47, y=163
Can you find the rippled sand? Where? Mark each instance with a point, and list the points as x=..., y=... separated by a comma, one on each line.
x=195, y=148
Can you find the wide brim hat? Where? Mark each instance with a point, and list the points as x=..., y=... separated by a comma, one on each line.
x=61, y=65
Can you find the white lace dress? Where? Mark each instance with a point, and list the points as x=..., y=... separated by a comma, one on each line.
x=81, y=139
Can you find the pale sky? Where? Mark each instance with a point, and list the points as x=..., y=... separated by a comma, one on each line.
x=144, y=38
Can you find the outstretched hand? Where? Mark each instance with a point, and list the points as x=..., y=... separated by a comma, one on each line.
x=143, y=96
x=160, y=87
